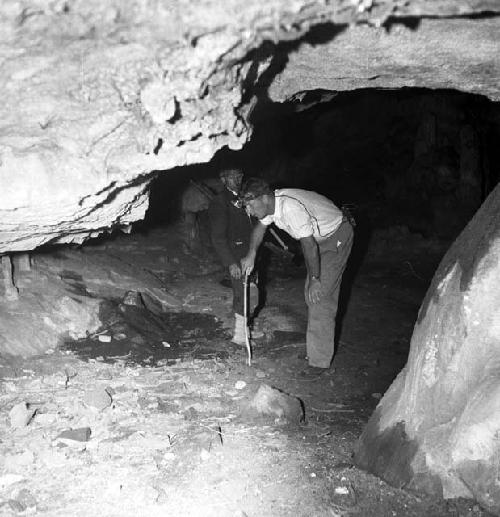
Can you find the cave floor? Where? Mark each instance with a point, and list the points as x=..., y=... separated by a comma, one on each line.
x=166, y=396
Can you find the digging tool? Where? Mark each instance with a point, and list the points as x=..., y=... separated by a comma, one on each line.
x=245, y=315
x=278, y=239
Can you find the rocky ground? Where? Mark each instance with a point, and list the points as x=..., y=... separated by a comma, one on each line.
x=157, y=413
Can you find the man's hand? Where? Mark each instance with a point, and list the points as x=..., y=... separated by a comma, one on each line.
x=247, y=263
x=235, y=271
x=314, y=290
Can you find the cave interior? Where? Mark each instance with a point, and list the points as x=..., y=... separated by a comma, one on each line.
x=420, y=159
x=412, y=164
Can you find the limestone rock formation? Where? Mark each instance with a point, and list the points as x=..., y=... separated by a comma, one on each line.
x=461, y=54
x=437, y=428
x=97, y=95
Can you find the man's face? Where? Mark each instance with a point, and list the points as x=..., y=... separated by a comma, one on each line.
x=257, y=207
x=232, y=181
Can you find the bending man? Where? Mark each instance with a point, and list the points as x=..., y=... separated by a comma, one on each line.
x=326, y=239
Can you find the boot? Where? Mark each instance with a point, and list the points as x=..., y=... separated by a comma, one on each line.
x=255, y=333
x=239, y=337
x=253, y=301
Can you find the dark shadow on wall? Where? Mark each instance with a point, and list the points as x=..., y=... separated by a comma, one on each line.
x=413, y=22
x=278, y=54
x=408, y=22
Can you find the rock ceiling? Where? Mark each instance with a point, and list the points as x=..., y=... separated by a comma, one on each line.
x=97, y=95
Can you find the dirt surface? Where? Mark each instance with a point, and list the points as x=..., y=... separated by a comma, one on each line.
x=166, y=397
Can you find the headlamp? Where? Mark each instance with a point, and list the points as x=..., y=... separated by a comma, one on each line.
x=242, y=200
x=238, y=202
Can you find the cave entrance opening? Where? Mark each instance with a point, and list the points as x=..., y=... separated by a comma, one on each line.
x=413, y=164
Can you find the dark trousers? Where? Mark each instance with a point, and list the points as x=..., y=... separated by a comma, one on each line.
x=239, y=251
x=334, y=253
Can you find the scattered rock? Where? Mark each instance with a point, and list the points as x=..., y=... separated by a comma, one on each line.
x=104, y=338
x=190, y=414
x=45, y=418
x=138, y=340
x=106, y=375
x=51, y=458
x=9, y=387
x=274, y=402
x=98, y=398
x=344, y=495
x=167, y=407
x=133, y=298
x=23, y=501
x=169, y=456
x=16, y=506
x=82, y=434
x=240, y=385
x=20, y=415
x=150, y=494
x=18, y=462
x=9, y=479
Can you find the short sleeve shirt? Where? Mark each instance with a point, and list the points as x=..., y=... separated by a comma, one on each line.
x=302, y=213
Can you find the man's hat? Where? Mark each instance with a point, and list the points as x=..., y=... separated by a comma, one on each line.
x=254, y=188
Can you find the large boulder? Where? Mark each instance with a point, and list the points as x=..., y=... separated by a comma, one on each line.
x=437, y=428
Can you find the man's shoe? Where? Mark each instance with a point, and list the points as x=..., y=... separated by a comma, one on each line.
x=226, y=282
x=239, y=335
x=312, y=373
x=256, y=334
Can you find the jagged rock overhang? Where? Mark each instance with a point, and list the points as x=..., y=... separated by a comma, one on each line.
x=100, y=96
x=437, y=53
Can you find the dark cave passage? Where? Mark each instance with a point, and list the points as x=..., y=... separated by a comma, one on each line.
x=416, y=158
x=413, y=165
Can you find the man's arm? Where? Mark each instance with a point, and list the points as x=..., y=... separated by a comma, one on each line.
x=256, y=238
x=313, y=264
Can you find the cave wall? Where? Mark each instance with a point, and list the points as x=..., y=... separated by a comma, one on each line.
x=450, y=53
x=97, y=95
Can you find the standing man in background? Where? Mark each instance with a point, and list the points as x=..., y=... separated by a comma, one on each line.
x=195, y=201
x=231, y=228
x=326, y=238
